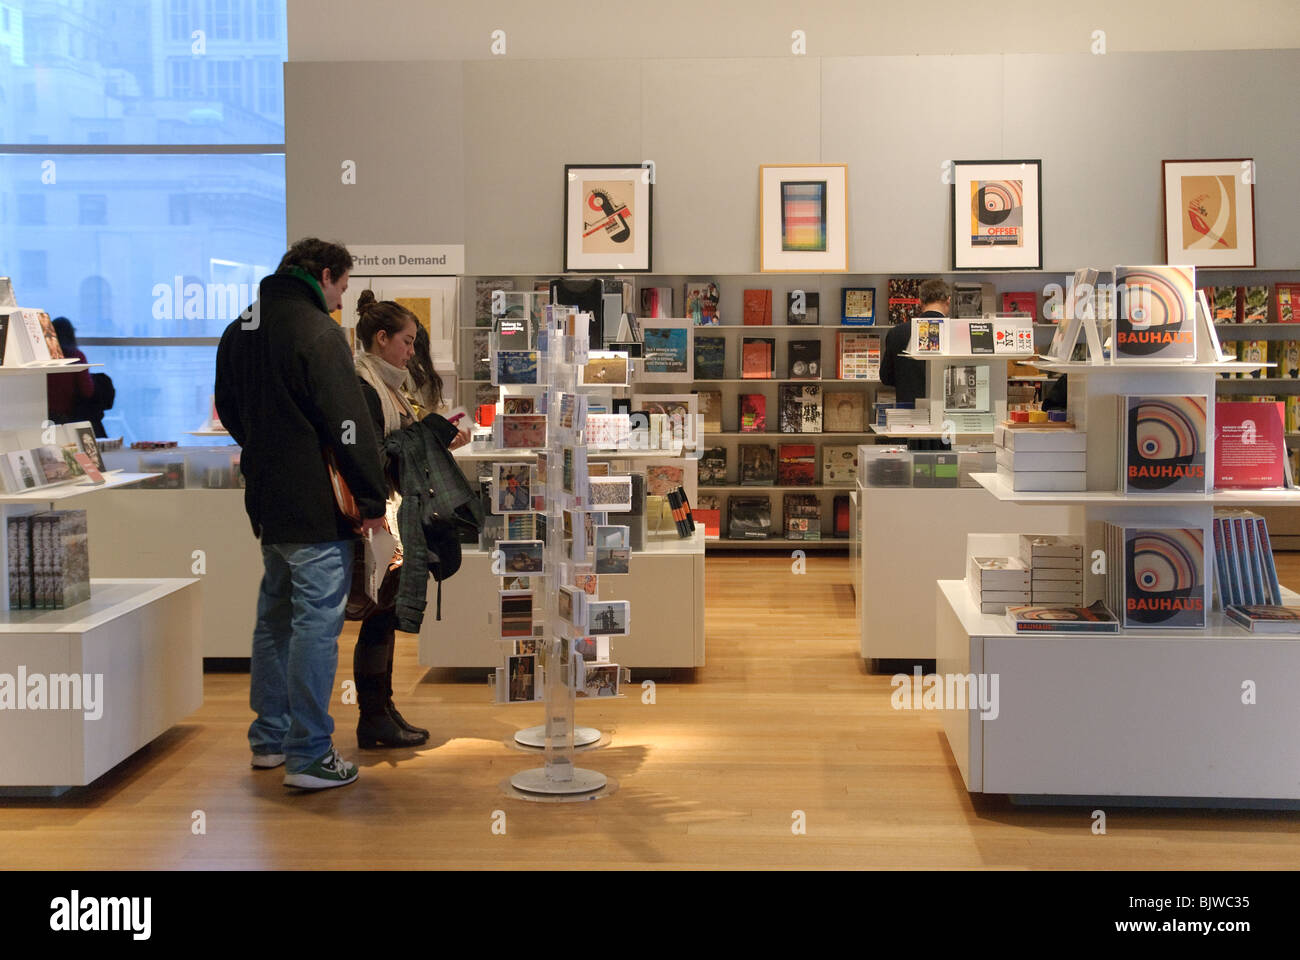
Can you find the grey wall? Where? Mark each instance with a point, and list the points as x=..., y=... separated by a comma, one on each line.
x=474, y=152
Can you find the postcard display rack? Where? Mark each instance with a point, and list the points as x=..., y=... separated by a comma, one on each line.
x=908, y=536
x=1142, y=714
x=137, y=642
x=559, y=665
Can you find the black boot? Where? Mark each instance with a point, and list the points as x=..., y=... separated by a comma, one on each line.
x=376, y=727
x=402, y=722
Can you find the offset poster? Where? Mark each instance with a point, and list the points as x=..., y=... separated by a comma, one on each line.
x=997, y=213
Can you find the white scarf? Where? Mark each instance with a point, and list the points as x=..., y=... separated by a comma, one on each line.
x=387, y=381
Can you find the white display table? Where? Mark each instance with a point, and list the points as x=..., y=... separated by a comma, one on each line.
x=142, y=637
x=665, y=587
x=1142, y=713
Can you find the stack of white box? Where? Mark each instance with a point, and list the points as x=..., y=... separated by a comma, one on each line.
x=996, y=582
x=1055, y=568
x=1051, y=458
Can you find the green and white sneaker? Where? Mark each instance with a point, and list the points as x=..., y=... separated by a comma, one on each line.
x=328, y=770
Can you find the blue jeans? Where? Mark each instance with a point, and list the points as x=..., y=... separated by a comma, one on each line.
x=296, y=648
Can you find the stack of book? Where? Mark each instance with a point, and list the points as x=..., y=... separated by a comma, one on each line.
x=1056, y=569
x=1266, y=618
x=996, y=582
x=1243, y=559
x=49, y=560
x=1043, y=459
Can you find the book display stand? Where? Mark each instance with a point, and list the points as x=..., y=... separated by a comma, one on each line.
x=137, y=643
x=1158, y=715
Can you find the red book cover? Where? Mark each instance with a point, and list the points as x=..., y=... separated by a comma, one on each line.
x=753, y=413
x=1288, y=302
x=758, y=308
x=756, y=359
x=1021, y=301
x=712, y=520
x=841, y=516
x=1249, y=445
x=796, y=465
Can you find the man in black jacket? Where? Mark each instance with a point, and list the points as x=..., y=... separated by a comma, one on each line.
x=287, y=391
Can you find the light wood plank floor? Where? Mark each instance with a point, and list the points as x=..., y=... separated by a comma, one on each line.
x=783, y=718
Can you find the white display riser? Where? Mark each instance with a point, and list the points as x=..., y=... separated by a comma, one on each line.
x=143, y=636
x=666, y=590
x=910, y=537
x=1146, y=714
x=154, y=533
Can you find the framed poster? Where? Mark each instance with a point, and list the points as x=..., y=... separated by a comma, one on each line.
x=997, y=215
x=803, y=218
x=1210, y=212
x=607, y=217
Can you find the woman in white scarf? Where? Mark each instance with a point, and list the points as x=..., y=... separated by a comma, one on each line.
x=387, y=331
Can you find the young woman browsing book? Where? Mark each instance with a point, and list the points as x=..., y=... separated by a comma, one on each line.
x=388, y=332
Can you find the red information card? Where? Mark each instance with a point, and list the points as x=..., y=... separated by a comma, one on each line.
x=1249, y=445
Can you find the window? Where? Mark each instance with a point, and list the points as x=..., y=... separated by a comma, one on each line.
x=31, y=268
x=31, y=209
x=224, y=80
x=150, y=241
x=92, y=210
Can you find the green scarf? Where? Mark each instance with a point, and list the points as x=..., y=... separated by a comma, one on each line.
x=312, y=282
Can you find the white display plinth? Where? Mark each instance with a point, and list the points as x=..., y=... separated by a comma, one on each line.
x=142, y=637
x=912, y=536
x=1142, y=713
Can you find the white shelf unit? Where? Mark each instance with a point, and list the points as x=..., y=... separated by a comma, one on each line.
x=1147, y=715
x=144, y=638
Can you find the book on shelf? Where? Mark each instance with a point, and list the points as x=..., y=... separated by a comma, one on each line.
x=1286, y=354
x=966, y=388
x=840, y=516
x=708, y=513
x=857, y=355
x=927, y=336
x=757, y=308
x=757, y=464
x=701, y=301
x=1254, y=305
x=1287, y=302
x=756, y=358
x=904, y=299
x=753, y=413
x=710, y=402
x=804, y=359
x=1226, y=303
x=1249, y=445
x=710, y=356
x=49, y=560
x=713, y=466
x=843, y=411
x=1244, y=568
x=839, y=465
x=1265, y=618
x=802, y=308
x=1059, y=619
x=1156, y=575
x=971, y=300
x=800, y=407
x=801, y=515
x=796, y=465
x=1252, y=351
x=657, y=302
x=749, y=518
x=1156, y=318
x=1164, y=444
x=858, y=306
x=1022, y=302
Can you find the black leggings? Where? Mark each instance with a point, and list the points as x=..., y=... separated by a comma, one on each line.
x=373, y=655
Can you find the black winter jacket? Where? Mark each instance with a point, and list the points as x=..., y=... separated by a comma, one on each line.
x=286, y=388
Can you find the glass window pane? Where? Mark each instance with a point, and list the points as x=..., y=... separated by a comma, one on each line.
x=112, y=72
x=178, y=248
x=162, y=392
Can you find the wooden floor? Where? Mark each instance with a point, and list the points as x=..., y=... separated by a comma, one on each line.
x=784, y=718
